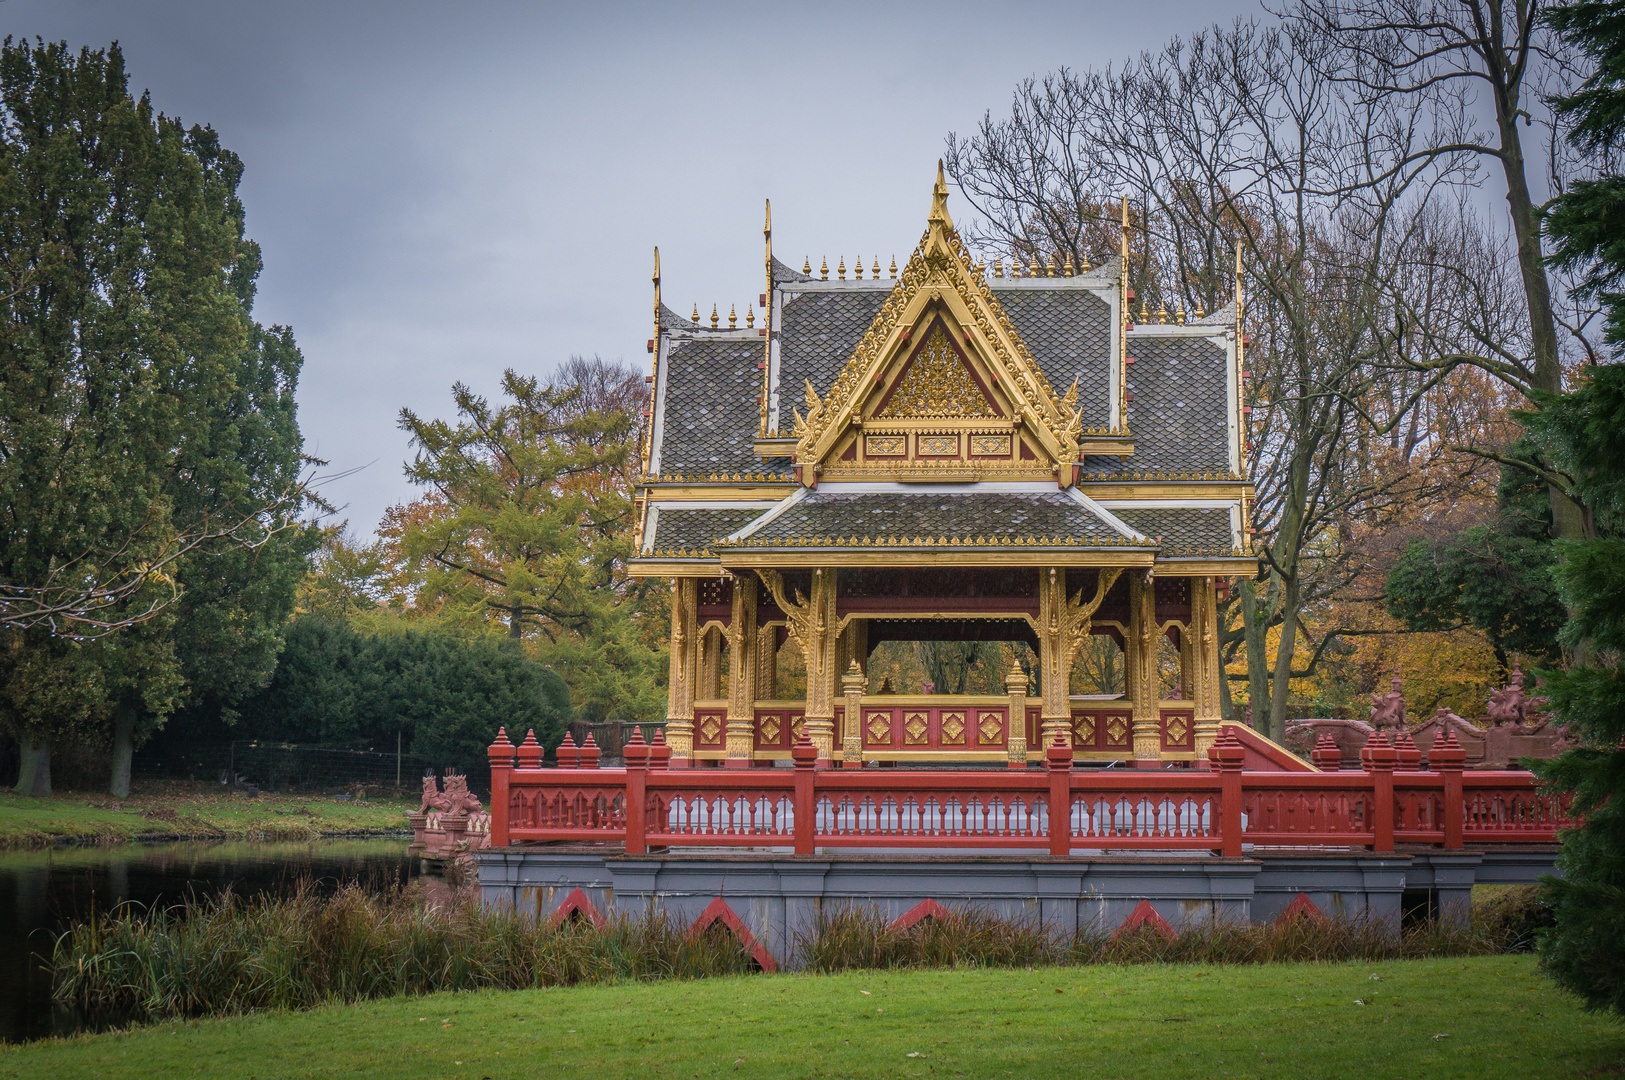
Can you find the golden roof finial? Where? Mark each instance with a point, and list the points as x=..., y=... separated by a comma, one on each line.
x=750, y=316
x=1198, y=314
x=1162, y=313
x=841, y=270
x=939, y=200
x=806, y=267
x=696, y=316
x=1084, y=268
x=1067, y=269
x=998, y=267
x=1049, y=266
x=1015, y=267
x=733, y=319
x=980, y=267
x=714, y=319
x=1145, y=314
x=874, y=271
x=823, y=271
x=1180, y=315
x=857, y=268
x=894, y=266
x=1032, y=271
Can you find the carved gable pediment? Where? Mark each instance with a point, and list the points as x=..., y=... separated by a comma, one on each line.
x=941, y=386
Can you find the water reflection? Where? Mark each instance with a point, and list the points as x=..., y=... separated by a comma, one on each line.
x=42, y=893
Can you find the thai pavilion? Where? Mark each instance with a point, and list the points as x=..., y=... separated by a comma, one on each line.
x=950, y=452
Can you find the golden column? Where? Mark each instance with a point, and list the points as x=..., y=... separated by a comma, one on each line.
x=1063, y=626
x=1205, y=670
x=767, y=662
x=710, y=685
x=680, y=687
x=813, y=621
x=1142, y=666
x=742, y=639
x=852, y=685
x=1015, y=733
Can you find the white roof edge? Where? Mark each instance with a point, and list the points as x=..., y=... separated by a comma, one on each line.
x=1105, y=515
x=779, y=508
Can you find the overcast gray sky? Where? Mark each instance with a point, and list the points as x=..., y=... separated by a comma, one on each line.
x=443, y=191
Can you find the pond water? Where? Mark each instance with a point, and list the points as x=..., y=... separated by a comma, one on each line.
x=42, y=893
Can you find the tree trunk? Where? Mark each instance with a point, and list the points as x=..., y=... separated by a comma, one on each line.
x=1282, y=696
x=123, y=749
x=34, y=778
x=516, y=626
x=1255, y=623
x=1568, y=517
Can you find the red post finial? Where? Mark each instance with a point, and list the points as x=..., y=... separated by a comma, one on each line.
x=501, y=750
x=659, y=752
x=636, y=751
x=568, y=754
x=530, y=751
x=804, y=753
x=590, y=753
x=1058, y=755
x=1378, y=754
x=1227, y=754
x=1409, y=757
x=1326, y=756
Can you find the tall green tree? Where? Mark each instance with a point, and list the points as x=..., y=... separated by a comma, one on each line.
x=532, y=529
x=131, y=381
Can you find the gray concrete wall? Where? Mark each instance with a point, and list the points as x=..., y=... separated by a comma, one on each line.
x=778, y=896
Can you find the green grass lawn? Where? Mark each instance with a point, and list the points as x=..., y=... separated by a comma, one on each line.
x=1433, y=1019
x=190, y=811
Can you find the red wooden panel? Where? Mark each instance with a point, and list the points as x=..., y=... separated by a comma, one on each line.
x=1178, y=729
x=990, y=724
x=710, y=729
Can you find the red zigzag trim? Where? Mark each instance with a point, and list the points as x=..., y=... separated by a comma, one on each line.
x=719, y=911
x=1146, y=915
x=925, y=909
x=1301, y=908
x=576, y=901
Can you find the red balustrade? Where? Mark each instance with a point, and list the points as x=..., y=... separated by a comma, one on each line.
x=1061, y=809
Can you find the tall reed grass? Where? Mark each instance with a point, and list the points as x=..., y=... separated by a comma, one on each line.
x=227, y=955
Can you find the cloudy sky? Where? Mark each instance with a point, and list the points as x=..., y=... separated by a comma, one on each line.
x=443, y=191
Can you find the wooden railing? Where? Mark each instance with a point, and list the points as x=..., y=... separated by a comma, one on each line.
x=1058, y=810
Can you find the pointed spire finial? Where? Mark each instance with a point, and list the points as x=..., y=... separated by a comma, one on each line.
x=733, y=318
x=939, y=200
x=767, y=217
x=857, y=268
x=894, y=266
x=874, y=271
x=750, y=316
x=806, y=266
x=714, y=318
x=841, y=269
x=695, y=318
x=823, y=271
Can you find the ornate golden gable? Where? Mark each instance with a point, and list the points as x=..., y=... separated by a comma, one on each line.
x=939, y=283
x=937, y=383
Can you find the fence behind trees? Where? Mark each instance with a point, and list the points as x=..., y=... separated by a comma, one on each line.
x=276, y=766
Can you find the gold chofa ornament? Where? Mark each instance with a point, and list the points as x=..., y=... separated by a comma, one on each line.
x=937, y=384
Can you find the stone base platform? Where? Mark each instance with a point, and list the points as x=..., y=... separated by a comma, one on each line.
x=776, y=896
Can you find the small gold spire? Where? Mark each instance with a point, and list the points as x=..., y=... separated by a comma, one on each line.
x=1162, y=314
x=1049, y=266
x=733, y=318
x=1067, y=269
x=857, y=268
x=874, y=271
x=714, y=319
x=1180, y=315
x=823, y=271
x=1198, y=315
x=1145, y=314
x=750, y=316
x=696, y=316
x=1032, y=271
x=894, y=266
x=980, y=267
x=841, y=269
x=1015, y=268
x=1084, y=268
x=806, y=267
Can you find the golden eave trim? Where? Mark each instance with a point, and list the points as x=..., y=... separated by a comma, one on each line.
x=1111, y=492
x=802, y=557
x=653, y=567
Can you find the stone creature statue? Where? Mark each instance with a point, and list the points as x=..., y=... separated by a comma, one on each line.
x=1511, y=705
x=1388, y=710
x=433, y=800
x=462, y=800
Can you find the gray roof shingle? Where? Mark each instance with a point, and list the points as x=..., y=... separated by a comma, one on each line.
x=708, y=409
x=696, y=529
x=1069, y=333
x=997, y=516
x=1184, y=531
x=818, y=332
x=1178, y=412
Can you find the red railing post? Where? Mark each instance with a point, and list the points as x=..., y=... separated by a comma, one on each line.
x=590, y=753
x=500, y=753
x=1448, y=758
x=636, y=753
x=1226, y=756
x=1326, y=756
x=1058, y=759
x=805, y=799
x=1380, y=760
x=568, y=755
